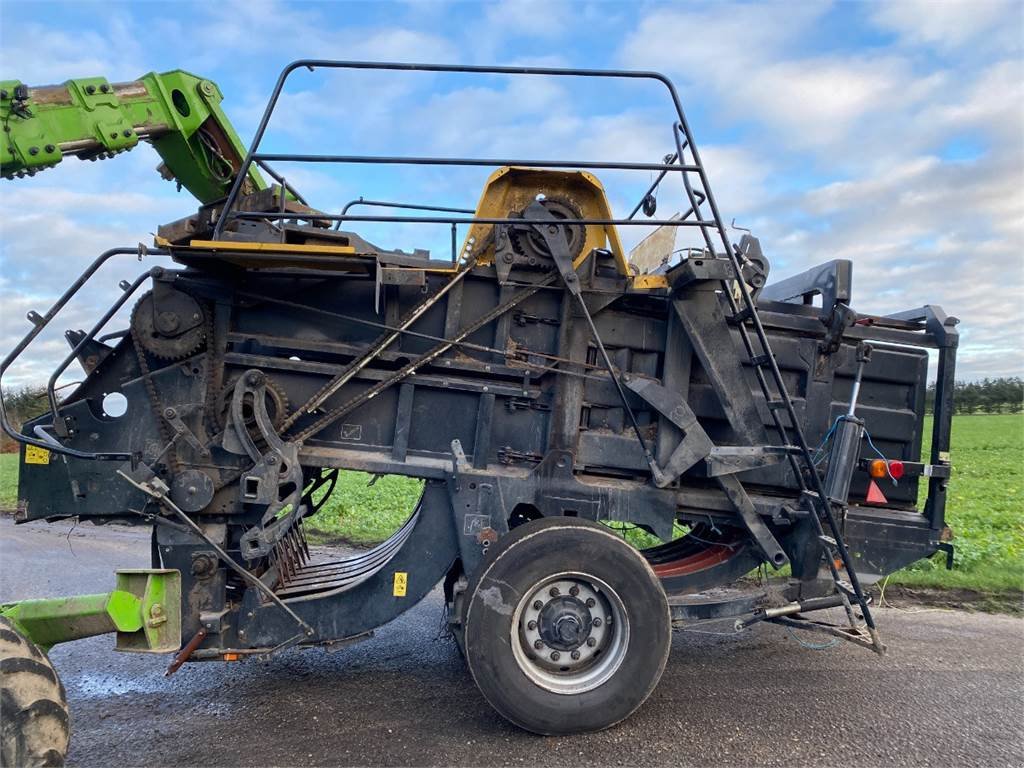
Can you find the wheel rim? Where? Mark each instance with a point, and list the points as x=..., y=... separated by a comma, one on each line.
x=570, y=633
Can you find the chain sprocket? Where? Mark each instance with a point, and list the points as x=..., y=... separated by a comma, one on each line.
x=276, y=399
x=165, y=347
x=526, y=241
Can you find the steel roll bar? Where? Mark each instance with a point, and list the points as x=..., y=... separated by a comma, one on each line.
x=39, y=323
x=253, y=154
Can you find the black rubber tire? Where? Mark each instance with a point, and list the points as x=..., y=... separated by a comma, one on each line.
x=523, y=558
x=34, y=726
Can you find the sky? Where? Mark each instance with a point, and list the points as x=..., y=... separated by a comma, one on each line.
x=891, y=134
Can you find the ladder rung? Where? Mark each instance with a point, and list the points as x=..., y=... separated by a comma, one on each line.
x=776, y=404
x=760, y=360
x=846, y=587
x=828, y=541
x=742, y=316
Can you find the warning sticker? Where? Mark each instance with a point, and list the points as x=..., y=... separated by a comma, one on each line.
x=401, y=583
x=36, y=455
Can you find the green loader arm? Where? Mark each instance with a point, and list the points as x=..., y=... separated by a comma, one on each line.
x=177, y=112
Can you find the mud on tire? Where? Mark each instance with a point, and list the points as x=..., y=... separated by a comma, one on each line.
x=33, y=705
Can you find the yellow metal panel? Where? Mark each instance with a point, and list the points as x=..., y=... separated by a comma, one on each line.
x=511, y=189
x=647, y=282
x=227, y=245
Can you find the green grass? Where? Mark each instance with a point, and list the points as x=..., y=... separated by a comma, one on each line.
x=8, y=481
x=364, y=514
x=985, y=508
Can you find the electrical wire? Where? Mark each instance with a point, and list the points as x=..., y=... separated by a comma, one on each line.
x=881, y=456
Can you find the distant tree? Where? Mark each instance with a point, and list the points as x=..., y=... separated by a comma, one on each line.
x=22, y=405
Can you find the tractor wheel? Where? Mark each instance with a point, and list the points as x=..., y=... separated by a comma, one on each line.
x=566, y=629
x=33, y=706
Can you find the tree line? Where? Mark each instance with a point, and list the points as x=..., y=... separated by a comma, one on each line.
x=22, y=405
x=1002, y=395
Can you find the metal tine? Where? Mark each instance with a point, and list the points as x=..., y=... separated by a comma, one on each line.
x=302, y=538
x=293, y=543
x=296, y=549
x=285, y=561
x=289, y=554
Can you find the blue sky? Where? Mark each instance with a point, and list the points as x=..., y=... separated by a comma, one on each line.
x=891, y=134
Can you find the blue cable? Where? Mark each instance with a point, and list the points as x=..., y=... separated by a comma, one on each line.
x=881, y=456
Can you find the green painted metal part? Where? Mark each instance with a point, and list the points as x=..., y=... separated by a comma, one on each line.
x=144, y=610
x=177, y=112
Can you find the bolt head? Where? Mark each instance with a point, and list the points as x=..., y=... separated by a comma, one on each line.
x=591, y=641
x=532, y=625
x=575, y=655
x=590, y=602
x=555, y=655
x=597, y=622
x=574, y=590
x=538, y=644
x=537, y=605
x=554, y=592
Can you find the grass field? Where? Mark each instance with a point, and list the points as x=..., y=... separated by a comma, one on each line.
x=985, y=508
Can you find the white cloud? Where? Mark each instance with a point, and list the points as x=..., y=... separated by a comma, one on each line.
x=950, y=24
x=836, y=152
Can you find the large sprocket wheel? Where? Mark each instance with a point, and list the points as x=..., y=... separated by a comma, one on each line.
x=276, y=399
x=160, y=345
x=526, y=241
x=565, y=627
x=33, y=706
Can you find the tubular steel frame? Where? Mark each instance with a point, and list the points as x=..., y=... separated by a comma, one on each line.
x=683, y=136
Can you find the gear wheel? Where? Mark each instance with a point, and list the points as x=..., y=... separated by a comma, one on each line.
x=144, y=333
x=526, y=241
x=276, y=399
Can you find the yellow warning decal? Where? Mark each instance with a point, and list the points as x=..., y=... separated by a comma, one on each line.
x=401, y=583
x=36, y=455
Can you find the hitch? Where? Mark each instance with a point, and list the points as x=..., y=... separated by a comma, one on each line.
x=144, y=609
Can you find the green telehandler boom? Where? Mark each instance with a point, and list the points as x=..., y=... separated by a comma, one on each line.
x=177, y=112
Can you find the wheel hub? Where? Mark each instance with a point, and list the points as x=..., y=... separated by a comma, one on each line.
x=570, y=633
x=565, y=623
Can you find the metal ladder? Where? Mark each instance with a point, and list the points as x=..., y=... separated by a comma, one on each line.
x=745, y=317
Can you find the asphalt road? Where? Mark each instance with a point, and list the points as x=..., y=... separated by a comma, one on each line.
x=950, y=692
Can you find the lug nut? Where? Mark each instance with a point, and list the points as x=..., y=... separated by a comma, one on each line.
x=591, y=641
x=574, y=590
x=554, y=592
x=590, y=602
x=532, y=625
x=537, y=605
x=538, y=644
x=597, y=622
x=555, y=655
x=575, y=655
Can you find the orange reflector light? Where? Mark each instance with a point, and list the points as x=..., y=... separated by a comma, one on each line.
x=878, y=468
x=896, y=469
x=230, y=656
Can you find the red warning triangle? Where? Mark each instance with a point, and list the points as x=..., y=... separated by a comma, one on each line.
x=875, y=495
